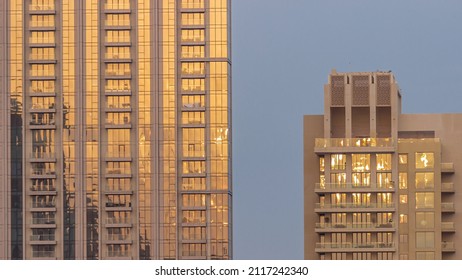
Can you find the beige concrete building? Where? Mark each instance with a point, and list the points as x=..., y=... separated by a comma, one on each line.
x=379, y=184
x=115, y=129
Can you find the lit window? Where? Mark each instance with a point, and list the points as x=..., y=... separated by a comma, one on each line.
x=403, y=180
x=402, y=159
x=403, y=219
x=384, y=180
x=403, y=199
x=337, y=162
x=383, y=162
x=424, y=180
x=361, y=162
x=424, y=160
x=321, y=164
x=424, y=200
x=338, y=178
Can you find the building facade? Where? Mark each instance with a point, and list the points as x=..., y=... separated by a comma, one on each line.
x=115, y=129
x=379, y=184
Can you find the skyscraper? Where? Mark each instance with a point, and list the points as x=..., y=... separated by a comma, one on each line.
x=380, y=184
x=115, y=129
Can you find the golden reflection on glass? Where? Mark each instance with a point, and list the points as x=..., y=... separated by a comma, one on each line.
x=168, y=246
x=424, y=180
x=424, y=160
x=403, y=159
x=338, y=162
x=424, y=200
x=361, y=162
x=402, y=180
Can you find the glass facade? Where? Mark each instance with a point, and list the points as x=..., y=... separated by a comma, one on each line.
x=123, y=129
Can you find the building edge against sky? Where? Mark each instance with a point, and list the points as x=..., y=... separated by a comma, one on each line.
x=115, y=129
x=379, y=184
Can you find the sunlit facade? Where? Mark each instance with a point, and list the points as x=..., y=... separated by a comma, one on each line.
x=379, y=184
x=115, y=126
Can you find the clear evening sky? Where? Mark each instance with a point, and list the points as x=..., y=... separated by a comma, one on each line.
x=283, y=51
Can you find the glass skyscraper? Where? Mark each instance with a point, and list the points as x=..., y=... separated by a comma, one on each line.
x=115, y=129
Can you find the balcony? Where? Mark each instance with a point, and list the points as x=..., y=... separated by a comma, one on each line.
x=118, y=190
x=43, y=174
x=42, y=9
x=345, y=145
x=118, y=222
x=122, y=255
x=42, y=92
x=354, y=207
x=118, y=206
x=118, y=239
x=447, y=207
x=43, y=188
x=43, y=254
x=355, y=247
x=41, y=124
x=193, y=107
x=355, y=227
x=125, y=123
x=447, y=167
x=349, y=187
x=117, y=7
x=44, y=204
x=447, y=187
x=43, y=223
x=448, y=247
x=113, y=92
x=43, y=108
x=43, y=239
x=124, y=107
x=42, y=157
x=448, y=227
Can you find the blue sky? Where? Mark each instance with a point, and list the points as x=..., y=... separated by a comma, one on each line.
x=283, y=51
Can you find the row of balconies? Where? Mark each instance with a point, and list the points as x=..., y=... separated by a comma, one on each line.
x=349, y=187
x=447, y=247
x=355, y=227
x=352, y=247
x=355, y=207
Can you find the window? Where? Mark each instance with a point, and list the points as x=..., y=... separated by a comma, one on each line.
x=403, y=219
x=192, y=18
x=425, y=240
x=193, y=68
x=403, y=238
x=322, y=176
x=384, y=180
x=424, y=200
x=403, y=199
x=337, y=162
x=402, y=180
x=424, y=220
x=338, y=178
x=425, y=255
x=403, y=257
x=424, y=160
x=383, y=162
x=192, y=4
x=424, y=180
x=361, y=162
x=361, y=175
x=403, y=159
x=192, y=51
